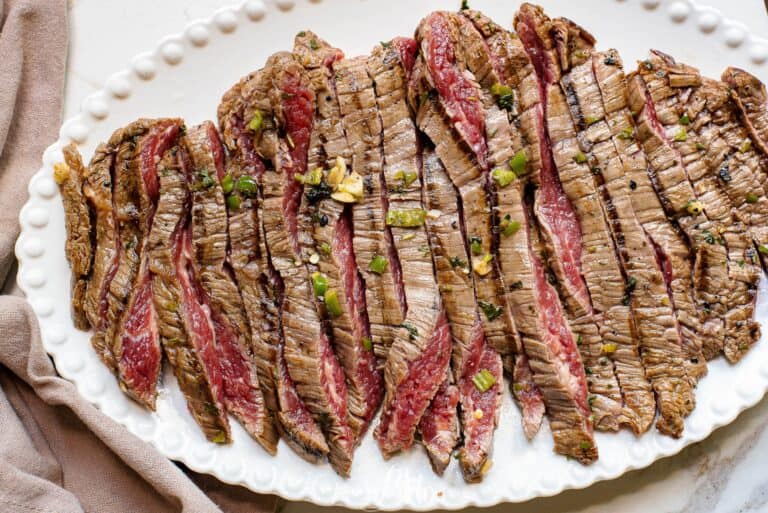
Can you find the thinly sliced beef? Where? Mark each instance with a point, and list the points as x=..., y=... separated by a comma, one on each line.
x=471, y=353
x=134, y=336
x=251, y=151
x=328, y=224
x=716, y=174
x=724, y=288
x=69, y=176
x=751, y=97
x=242, y=395
x=388, y=67
x=439, y=427
x=184, y=324
x=309, y=357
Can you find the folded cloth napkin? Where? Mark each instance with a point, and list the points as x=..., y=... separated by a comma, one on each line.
x=58, y=453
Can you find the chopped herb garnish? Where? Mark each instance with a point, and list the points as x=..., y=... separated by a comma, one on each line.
x=579, y=340
x=745, y=146
x=408, y=218
x=518, y=163
x=709, y=238
x=407, y=177
x=627, y=133
x=585, y=446
x=257, y=122
x=763, y=249
x=580, y=158
x=412, y=331
x=482, y=266
x=591, y=120
x=509, y=226
x=220, y=437
x=378, y=264
x=233, y=201
x=587, y=371
x=313, y=44
x=247, y=186
x=684, y=119
x=457, y=262
x=319, y=284
x=503, y=177
x=483, y=380
x=505, y=96
x=206, y=181
x=752, y=197
x=385, y=44
x=700, y=146
x=332, y=303
x=464, y=5
x=491, y=311
x=476, y=245
x=367, y=343
x=648, y=64
x=227, y=183
x=324, y=248
x=681, y=136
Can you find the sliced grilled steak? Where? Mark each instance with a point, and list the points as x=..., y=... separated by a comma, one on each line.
x=133, y=332
x=69, y=176
x=242, y=394
x=712, y=157
x=372, y=237
x=249, y=132
x=752, y=100
x=668, y=241
x=97, y=188
x=471, y=353
x=724, y=288
x=184, y=323
x=330, y=246
x=610, y=354
x=309, y=356
x=439, y=427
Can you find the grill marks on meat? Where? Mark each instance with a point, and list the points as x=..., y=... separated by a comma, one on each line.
x=388, y=67
x=242, y=394
x=328, y=225
x=309, y=358
x=133, y=332
x=77, y=220
x=471, y=353
x=718, y=176
x=599, y=262
x=184, y=324
x=751, y=98
x=722, y=286
x=372, y=237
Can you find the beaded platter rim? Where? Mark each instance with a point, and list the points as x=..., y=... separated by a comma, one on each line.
x=165, y=430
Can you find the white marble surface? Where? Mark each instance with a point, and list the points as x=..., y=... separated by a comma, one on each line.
x=728, y=473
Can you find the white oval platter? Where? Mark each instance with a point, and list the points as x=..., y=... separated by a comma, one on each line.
x=185, y=75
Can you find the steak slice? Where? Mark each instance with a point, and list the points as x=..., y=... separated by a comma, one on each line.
x=309, y=357
x=387, y=67
x=133, y=332
x=242, y=393
x=439, y=427
x=372, y=237
x=184, y=323
x=69, y=175
x=330, y=237
x=724, y=288
x=471, y=353
x=609, y=343
x=712, y=155
x=751, y=98
x=251, y=150
x=668, y=241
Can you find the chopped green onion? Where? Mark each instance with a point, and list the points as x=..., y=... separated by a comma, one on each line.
x=407, y=177
x=464, y=5
x=684, y=119
x=476, y=245
x=247, y=186
x=700, y=146
x=505, y=96
x=219, y=438
x=518, y=163
x=227, y=184
x=627, y=133
x=763, y=249
x=579, y=340
x=585, y=446
x=483, y=380
x=503, y=177
x=332, y=303
x=206, y=181
x=491, y=311
x=367, y=343
x=406, y=218
x=752, y=197
x=745, y=146
x=324, y=248
x=509, y=227
x=457, y=262
x=681, y=136
x=378, y=265
x=313, y=177
x=580, y=158
x=257, y=122
x=319, y=284
x=591, y=120
x=233, y=201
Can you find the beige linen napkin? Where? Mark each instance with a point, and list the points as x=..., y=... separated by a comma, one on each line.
x=57, y=452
